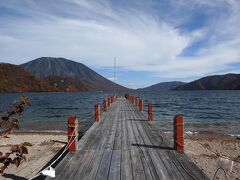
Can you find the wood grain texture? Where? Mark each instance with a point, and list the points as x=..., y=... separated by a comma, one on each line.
x=125, y=146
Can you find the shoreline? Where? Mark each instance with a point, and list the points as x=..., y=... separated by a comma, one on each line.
x=47, y=144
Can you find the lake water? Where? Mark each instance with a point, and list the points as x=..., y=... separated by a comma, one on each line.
x=204, y=111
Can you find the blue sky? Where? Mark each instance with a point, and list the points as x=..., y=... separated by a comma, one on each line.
x=154, y=41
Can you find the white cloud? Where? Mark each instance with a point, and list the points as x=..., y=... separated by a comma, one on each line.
x=93, y=32
x=134, y=37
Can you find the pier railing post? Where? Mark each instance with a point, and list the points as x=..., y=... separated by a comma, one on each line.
x=150, y=113
x=97, y=112
x=72, y=133
x=132, y=99
x=136, y=101
x=109, y=102
x=140, y=105
x=178, y=133
x=105, y=105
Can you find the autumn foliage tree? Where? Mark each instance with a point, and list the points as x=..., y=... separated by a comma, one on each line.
x=8, y=122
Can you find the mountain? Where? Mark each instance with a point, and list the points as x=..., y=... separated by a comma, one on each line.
x=217, y=82
x=48, y=66
x=162, y=86
x=16, y=79
x=65, y=84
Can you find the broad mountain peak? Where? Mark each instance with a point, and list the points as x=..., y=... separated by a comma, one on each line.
x=61, y=67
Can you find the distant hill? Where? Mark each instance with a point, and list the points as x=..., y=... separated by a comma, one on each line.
x=217, y=82
x=47, y=66
x=15, y=79
x=162, y=86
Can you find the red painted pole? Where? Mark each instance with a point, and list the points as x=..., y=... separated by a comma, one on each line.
x=105, y=105
x=72, y=133
x=150, y=113
x=178, y=133
x=140, y=105
x=109, y=103
x=97, y=112
x=136, y=101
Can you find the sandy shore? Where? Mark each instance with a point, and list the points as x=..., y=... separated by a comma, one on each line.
x=45, y=146
x=197, y=150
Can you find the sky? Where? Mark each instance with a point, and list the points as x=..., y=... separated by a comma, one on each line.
x=153, y=40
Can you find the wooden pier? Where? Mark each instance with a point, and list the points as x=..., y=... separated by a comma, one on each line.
x=124, y=145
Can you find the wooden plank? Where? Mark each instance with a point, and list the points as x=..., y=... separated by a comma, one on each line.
x=103, y=134
x=103, y=169
x=171, y=171
x=94, y=140
x=82, y=142
x=126, y=166
x=125, y=144
x=91, y=171
x=137, y=167
x=143, y=156
x=111, y=137
x=71, y=167
x=138, y=171
x=115, y=167
x=158, y=139
x=153, y=166
x=118, y=134
x=82, y=166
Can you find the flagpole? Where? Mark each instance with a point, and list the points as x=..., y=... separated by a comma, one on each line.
x=114, y=88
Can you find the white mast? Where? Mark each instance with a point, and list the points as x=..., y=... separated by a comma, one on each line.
x=114, y=90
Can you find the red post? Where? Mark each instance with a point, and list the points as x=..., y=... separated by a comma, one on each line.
x=150, y=113
x=72, y=133
x=140, y=105
x=97, y=112
x=105, y=105
x=132, y=99
x=178, y=133
x=136, y=101
x=109, y=102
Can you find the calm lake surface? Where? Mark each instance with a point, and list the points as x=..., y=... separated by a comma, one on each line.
x=204, y=111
